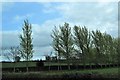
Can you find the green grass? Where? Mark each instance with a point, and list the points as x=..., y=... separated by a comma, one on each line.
x=18, y=64
x=33, y=64
x=105, y=72
x=98, y=71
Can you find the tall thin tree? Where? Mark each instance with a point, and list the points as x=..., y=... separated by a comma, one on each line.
x=56, y=44
x=66, y=42
x=82, y=41
x=26, y=42
x=98, y=40
x=63, y=42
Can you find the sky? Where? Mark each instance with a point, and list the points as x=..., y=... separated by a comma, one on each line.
x=45, y=15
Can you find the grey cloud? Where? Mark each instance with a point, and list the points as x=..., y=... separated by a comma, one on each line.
x=10, y=38
x=42, y=39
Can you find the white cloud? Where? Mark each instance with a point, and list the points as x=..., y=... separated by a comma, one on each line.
x=102, y=15
x=42, y=33
x=21, y=17
x=41, y=52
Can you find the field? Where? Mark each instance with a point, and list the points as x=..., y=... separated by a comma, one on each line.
x=33, y=64
x=99, y=73
x=106, y=72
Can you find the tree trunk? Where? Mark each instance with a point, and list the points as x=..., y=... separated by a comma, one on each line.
x=68, y=65
x=49, y=65
x=14, y=66
x=27, y=67
x=59, y=67
x=90, y=65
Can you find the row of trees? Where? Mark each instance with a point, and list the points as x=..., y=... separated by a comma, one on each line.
x=87, y=46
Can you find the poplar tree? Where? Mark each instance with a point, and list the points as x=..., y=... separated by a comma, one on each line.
x=26, y=42
x=82, y=41
x=98, y=41
x=63, y=42
x=66, y=42
x=56, y=44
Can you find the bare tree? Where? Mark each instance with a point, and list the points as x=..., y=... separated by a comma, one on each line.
x=11, y=53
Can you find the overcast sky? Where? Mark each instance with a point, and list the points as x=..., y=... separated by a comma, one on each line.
x=45, y=15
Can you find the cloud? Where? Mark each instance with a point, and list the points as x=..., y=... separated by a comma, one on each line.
x=40, y=52
x=42, y=33
x=100, y=15
x=21, y=17
x=9, y=38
